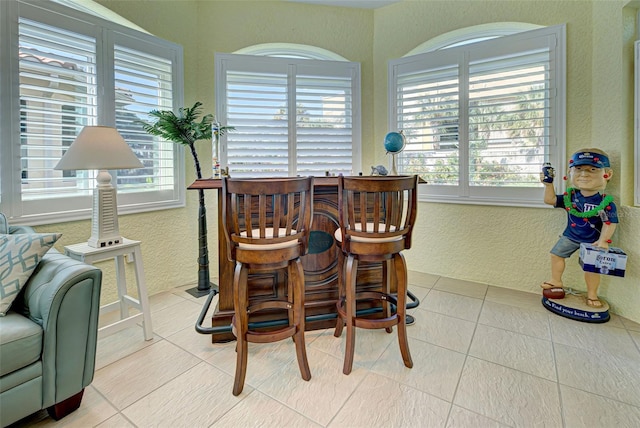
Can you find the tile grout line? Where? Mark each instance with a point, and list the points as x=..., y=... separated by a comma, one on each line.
x=597, y=394
x=464, y=363
x=557, y=371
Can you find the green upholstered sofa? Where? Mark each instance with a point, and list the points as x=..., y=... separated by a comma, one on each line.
x=48, y=338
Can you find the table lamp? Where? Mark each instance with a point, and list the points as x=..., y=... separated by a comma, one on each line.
x=101, y=148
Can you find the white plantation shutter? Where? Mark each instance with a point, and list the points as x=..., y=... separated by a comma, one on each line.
x=62, y=70
x=291, y=116
x=482, y=118
x=58, y=96
x=509, y=107
x=144, y=82
x=324, y=125
x=257, y=107
x=428, y=102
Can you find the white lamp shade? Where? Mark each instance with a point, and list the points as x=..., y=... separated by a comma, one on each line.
x=99, y=147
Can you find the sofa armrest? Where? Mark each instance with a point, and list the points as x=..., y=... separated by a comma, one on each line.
x=21, y=229
x=63, y=296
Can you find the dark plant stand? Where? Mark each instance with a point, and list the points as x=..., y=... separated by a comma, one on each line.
x=205, y=286
x=183, y=128
x=197, y=293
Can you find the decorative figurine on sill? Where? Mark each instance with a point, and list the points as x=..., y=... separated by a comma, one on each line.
x=591, y=218
x=379, y=170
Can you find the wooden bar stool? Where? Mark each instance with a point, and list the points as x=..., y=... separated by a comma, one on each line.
x=377, y=215
x=267, y=224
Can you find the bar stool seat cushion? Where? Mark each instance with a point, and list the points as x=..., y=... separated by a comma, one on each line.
x=269, y=234
x=338, y=234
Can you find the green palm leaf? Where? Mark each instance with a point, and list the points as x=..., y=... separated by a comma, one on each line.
x=183, y=128
x=186, y=128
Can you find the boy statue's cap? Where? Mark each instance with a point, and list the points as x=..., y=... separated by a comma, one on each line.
x=588, y=158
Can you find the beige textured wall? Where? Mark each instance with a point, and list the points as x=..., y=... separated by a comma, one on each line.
x=506, y=247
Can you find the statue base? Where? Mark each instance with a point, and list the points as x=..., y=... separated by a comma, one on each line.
x=574, y=306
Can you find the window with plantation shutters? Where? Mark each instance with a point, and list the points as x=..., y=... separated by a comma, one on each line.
x=66, y=69
x=291, y=116
x=481, y=119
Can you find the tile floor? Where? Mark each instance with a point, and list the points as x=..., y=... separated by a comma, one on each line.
x=483, y=357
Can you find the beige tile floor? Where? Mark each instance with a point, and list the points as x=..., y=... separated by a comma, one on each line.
x=483, y=357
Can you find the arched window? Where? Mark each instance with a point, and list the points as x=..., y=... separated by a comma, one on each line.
x=473, y=34
x=482, y=109
x=290, y=50
x=295, y=110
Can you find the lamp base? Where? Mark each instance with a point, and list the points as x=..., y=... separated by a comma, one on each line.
x=103, y=242
x=104, y=221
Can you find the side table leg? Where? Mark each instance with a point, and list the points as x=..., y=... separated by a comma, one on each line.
x=121, y=280
x=142, y=294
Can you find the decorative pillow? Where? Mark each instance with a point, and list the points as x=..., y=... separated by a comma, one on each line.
x=19, y=255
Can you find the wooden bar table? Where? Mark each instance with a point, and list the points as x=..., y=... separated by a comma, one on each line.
x=320, y=267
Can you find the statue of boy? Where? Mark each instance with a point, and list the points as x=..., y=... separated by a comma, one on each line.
x=591, y=215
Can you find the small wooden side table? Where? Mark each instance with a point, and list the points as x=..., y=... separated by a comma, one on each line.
x=91, y=255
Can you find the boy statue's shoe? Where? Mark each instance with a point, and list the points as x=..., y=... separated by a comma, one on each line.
x=553, y=293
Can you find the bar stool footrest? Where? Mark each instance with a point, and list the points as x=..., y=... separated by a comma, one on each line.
x=271, y=336
x=370, y=323
x=266, y=336
x=376, y=323
x=272, y=304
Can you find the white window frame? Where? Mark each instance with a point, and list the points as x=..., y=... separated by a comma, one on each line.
x=287, y=61
x=106, y=33
x=517, y=196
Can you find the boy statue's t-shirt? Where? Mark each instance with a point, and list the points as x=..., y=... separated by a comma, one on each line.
x=586, y=230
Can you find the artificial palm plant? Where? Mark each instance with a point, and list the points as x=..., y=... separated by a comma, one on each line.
x=184, y=128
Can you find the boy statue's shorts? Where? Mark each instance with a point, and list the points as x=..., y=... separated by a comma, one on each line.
x=565, y=247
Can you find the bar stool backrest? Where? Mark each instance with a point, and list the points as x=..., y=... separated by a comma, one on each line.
x=267, y=214
x=377, y=213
